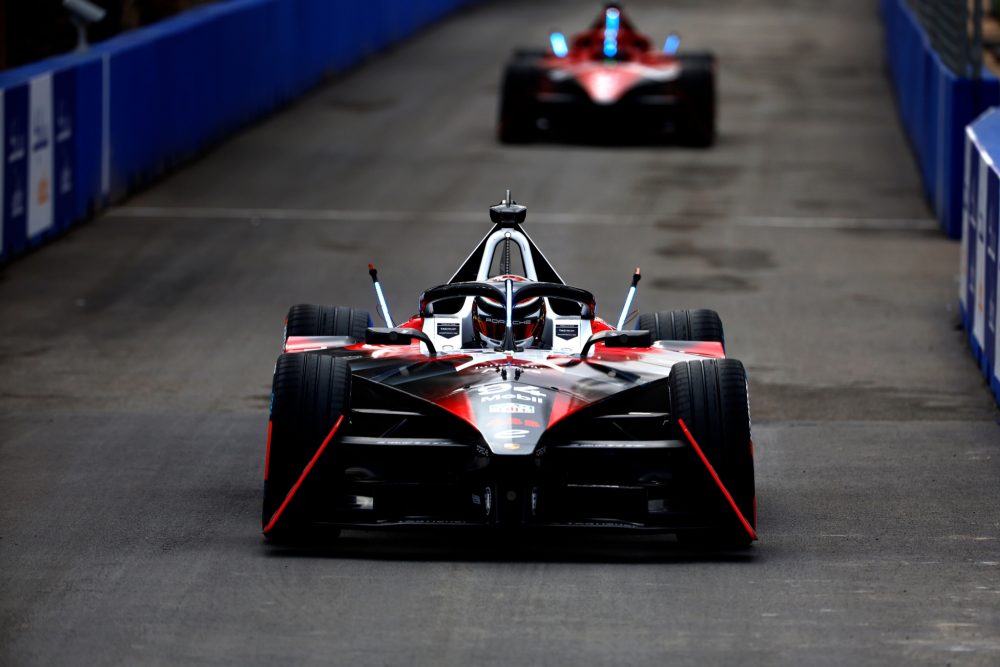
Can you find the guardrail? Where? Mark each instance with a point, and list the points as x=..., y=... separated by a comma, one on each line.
x=83, y=130
x=979, y=272
x=935, y=104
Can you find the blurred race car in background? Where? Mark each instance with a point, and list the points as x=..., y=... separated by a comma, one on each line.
x=506, y=402
x=609, y=84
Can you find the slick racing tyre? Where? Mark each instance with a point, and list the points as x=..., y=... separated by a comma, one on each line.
x=310, y=394
x=711, y=397
x=516, y=122
x=307, y=319
x=700, y=325
x=696, y=125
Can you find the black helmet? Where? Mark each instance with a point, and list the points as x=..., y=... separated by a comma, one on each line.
x=489, y=318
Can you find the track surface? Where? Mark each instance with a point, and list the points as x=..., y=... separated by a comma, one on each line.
x=136, y=355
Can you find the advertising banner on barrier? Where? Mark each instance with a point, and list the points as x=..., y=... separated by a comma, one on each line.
x=40, y=163
x=990, y=268
x=970, y=249
x=995, y=380
x=978, y=257
x=15, y=185
x=63, y=107
x=978, y=249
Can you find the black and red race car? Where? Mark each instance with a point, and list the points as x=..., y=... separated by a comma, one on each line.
x=506, y=402
x=609, y=83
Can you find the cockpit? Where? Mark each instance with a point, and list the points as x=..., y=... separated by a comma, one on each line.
x=507, y=297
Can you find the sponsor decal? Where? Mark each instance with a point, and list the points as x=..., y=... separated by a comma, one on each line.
x=40, y=156
x=15, y=173
x=511, y=434
x=505, y=392
x=514, y=421
x=567, y=331
x=448, y=329
x=512, y=408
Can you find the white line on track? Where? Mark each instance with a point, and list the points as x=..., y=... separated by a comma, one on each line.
x=167, y=213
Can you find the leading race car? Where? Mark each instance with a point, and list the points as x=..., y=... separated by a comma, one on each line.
x=609, y=83
x=506, y=402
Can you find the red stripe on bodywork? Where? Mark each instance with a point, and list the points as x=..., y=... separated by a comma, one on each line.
x=459, y=405
x=718, y=482
x=597, y=324
x=302, y=477
x=267, y=454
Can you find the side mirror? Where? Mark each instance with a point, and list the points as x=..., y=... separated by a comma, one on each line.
x=384, y=336
x=637, y=338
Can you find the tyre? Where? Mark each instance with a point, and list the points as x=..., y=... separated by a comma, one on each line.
x=696, y=126
x=310, y=393
x=516, y=120
x=701, y=325
x=711, y=397
x=308, y=319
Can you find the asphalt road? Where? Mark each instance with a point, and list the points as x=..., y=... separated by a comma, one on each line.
x=136, y=356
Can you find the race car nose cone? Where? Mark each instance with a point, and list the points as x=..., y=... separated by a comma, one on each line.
x=511, y=416
x=607, y=85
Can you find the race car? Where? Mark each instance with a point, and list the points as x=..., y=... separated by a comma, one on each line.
x=609, y=84
x=507, y=403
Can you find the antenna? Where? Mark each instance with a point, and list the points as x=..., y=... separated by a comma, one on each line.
x=373, y=272
x=636, y=277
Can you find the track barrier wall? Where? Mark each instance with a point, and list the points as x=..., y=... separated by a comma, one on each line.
x=935, y=106
x=979, y=272
x=83, y=130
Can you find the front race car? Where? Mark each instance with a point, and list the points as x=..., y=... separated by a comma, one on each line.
x=570, y=422
x=608, y=84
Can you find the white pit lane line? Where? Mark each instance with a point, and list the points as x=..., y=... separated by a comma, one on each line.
x=168, y=213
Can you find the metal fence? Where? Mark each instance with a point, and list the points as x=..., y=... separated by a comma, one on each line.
x=956, y=31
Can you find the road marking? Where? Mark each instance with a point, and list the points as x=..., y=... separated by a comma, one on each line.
x=474, y=217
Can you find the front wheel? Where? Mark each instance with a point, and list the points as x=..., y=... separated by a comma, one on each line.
x=710, y=396
x=310, y=396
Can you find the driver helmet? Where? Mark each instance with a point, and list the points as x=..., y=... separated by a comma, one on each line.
x=489, y=318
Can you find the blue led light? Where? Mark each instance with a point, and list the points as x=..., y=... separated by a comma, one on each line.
x=559, y=45
x=611, y=22
x=610, y=47
x=672, y=44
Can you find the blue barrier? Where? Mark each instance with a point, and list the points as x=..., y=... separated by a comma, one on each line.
x=82, y=130
x=935, y=105
x=979, y=272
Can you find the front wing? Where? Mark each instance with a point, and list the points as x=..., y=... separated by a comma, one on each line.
x=412, y=465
